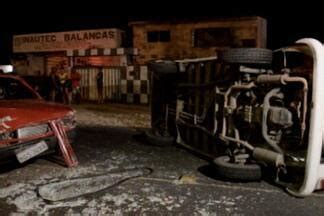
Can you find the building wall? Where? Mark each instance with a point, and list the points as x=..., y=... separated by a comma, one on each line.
x=182, y=36
x=31, y=65
x=123, y=81
x=135, y=84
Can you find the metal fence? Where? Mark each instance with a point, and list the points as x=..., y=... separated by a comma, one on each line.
x=111, y=83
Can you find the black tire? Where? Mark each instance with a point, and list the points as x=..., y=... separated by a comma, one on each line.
x=258, y=56
x=155, y=139
x=242, y=172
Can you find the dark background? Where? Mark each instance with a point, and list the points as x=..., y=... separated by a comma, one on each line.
x=286, y=23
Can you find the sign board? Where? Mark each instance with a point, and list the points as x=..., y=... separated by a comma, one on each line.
x=62, y=41
x=100, y=61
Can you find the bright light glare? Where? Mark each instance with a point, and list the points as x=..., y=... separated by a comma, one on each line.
x=6, y=68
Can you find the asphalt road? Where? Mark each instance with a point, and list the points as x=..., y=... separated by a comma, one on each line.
x=180, y=183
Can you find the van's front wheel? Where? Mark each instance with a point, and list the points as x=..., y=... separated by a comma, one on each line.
x=237, y=171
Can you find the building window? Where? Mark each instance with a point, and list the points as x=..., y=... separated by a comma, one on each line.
x=158, y=36
x=212, y=37
x=248, y=43
x=153, y=36
x=165, y=36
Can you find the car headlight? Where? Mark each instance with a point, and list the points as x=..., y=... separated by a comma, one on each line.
x=69, y=120
x=8, y=135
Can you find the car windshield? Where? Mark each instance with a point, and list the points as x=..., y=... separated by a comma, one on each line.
x=13, y=89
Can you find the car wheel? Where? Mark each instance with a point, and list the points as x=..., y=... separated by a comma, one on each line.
x=237, y=171
x=257, y=56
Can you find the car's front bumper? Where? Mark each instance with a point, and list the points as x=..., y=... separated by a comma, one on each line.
x=9, y=152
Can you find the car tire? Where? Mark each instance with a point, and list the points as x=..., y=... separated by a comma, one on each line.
x=237, y=171
x=258, y=56
x=158, y=140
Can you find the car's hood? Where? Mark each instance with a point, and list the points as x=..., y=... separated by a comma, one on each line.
x=18, y=113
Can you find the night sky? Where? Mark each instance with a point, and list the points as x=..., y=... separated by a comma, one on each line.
x=285, y=24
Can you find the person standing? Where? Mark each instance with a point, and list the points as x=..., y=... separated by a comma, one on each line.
x=54, y=84
x=65, y=84
x=99, y=79
x=76, y=78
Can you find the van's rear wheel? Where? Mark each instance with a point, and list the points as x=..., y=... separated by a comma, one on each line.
x=237, y=171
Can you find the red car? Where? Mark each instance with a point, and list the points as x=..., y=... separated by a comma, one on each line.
x=26, y=121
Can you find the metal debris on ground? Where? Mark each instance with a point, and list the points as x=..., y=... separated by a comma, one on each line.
x=77, y=187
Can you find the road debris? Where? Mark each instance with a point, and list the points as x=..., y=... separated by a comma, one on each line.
x=187, y=179
x=77, y=187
